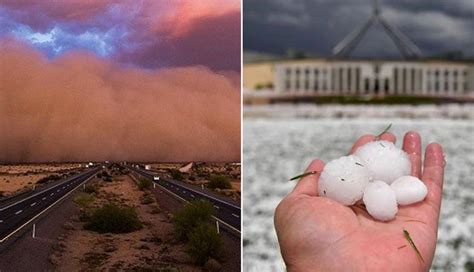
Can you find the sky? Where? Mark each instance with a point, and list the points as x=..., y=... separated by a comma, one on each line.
x=144, y=33
x=316, y=26
x=134, y=80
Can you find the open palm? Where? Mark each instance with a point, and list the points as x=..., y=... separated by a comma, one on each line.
x=318, y=234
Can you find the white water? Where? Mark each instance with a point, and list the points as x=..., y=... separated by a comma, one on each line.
x=277, y=148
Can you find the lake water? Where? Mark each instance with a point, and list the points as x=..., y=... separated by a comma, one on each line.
x=280, y=141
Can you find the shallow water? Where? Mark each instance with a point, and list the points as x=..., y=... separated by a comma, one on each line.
x=276, y=149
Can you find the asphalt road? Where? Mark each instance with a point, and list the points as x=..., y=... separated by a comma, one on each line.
x=225, y=211
x=19, y=211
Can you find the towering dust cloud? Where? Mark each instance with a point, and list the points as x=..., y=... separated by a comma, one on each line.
x=78, y=108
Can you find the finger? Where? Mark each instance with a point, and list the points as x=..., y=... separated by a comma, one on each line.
x=309, y=184
x=388, y=136
x=362, y=141
x=433, y=174
x=412, y=146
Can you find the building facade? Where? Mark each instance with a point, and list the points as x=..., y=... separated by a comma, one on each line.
x=376, y=78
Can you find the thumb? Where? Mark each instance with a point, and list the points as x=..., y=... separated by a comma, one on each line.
x=308, y=185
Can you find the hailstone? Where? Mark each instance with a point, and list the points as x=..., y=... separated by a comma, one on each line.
x=409, y=190
x=344, y=180
x=384, y=160
x=380, y=201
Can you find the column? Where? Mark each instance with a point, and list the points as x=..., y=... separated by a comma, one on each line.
x=391, y=81
x=279, y=79
x=408, y=82
x=420, y=81
x=424, y=73
x=329, y=78
x=451, y=81
x=343, y=75
x=353, y=80
x=400, y=80
x=361, y=80
x=310, y=79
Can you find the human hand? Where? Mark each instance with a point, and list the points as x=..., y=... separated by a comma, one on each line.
x=319, y=234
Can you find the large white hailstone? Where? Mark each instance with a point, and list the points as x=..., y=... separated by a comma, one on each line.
x=386, y=161
x=344, y=180
x=380, y=201
x=409, y=190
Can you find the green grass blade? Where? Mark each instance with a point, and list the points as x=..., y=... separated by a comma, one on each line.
x=304, y=175
x=407, y=236
x=385, y=130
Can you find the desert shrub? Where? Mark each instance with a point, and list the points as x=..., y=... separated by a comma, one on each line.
x=190, y=216
x=49, y=178
x=155, y=209
x=218, y=181
x=84, y=200
x=147, y=199
x=144, y=184
x=176, y=174
x=90, y=188
x=204, y=243
x=105, y=176
x=114, y=219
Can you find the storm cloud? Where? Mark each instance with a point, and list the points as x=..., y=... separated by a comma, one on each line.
x=316, y=26
x=143, y=33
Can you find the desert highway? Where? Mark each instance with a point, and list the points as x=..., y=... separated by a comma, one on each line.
x=226, y=212
x=19, y=211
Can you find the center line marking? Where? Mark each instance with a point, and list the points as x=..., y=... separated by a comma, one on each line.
x=43, y=198
x=236, y=215
x=18, y=212
x=32, y=204
x=51, y=194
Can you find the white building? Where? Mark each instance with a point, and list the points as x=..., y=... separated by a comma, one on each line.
x=376, y=78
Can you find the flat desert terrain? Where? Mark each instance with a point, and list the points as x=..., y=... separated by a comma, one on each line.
x=202, y=173
x=17, y=178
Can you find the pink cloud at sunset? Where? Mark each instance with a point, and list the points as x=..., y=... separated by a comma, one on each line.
x=146, y=33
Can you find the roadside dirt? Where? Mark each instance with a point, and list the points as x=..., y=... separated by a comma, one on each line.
x=10, y=184
x=200, y=175
x=15, y=178
x=152, y=247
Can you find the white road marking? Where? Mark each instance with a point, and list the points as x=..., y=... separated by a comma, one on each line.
x=236, y=215
x=13, y=204
x=43, y=198
x=51, y=194
x=1, y=221
x=18, y=212
x=58, y=190
x=32, y=204
x=217, y=219
x=192, y=195
x=43, y=211
x=217, y=207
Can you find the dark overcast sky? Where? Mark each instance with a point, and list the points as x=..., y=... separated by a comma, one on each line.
x=315, y=26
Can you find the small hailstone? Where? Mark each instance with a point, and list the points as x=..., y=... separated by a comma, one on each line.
x=409, y=190
x=386, y=161
x=380, y=201
x=344, y=180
